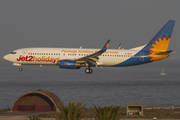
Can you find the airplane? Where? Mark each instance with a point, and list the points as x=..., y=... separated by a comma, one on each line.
x=75, y=58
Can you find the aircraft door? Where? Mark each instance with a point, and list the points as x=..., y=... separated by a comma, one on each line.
x=142, y=56
x=22, y=56
x=24, y=52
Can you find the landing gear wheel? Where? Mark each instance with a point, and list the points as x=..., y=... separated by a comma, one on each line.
x=90, y=71
x=20, y=69
x=87, y=70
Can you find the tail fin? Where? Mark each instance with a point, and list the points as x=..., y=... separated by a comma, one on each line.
x=156, y=49
x=160, y=41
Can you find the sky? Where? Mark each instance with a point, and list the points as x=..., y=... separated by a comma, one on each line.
x=86, y=23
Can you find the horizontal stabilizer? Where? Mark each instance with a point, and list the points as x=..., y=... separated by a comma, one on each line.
x=164, y=53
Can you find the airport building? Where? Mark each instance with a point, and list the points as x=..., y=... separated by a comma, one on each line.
x=40, y=100
x=134, y=109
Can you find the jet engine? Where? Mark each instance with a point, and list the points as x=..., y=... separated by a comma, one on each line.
x=69, y=64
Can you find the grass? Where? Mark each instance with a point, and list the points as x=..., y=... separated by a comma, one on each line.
x=4, y=110
x=46, y=115
x=34, y=118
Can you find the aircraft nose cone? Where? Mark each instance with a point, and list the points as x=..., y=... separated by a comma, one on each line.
x=6, y=57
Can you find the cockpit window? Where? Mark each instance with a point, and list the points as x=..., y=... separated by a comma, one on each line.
x=13, y=52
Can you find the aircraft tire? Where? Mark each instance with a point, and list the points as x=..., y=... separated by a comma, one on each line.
x=87, y=70
x=90, y=71
x=20, y=69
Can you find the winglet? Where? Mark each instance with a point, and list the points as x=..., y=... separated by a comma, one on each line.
x=119, y=46
x=105, y=46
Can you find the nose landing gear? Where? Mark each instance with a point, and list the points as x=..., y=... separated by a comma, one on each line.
x=20, y=69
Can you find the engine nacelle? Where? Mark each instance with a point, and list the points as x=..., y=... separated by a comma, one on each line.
x=70, y=64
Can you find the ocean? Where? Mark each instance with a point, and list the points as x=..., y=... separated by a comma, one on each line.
x=106, y=86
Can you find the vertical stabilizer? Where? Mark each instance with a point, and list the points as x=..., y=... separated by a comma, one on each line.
x=156, y=49
x=160, y=41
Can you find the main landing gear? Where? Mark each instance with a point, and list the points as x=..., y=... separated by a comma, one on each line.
x=88, y=70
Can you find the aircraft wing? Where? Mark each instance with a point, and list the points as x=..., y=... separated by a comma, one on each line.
x=93, y=58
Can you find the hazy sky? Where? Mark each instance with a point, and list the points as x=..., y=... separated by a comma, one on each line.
x=87, y=23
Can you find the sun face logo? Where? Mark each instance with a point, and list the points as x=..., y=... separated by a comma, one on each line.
x=160, y=46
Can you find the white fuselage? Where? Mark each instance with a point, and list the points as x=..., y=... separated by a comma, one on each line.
x=51, y=56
